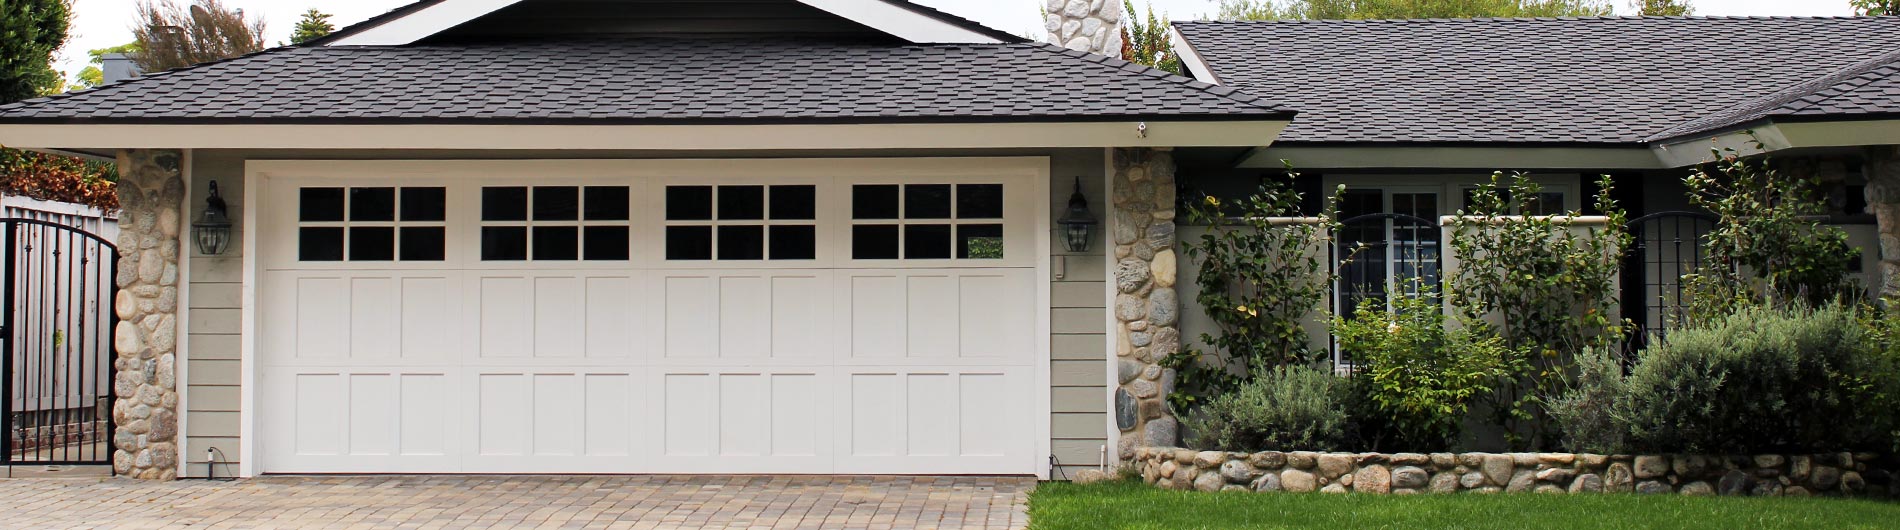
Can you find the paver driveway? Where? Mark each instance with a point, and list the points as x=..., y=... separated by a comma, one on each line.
x=520, y=502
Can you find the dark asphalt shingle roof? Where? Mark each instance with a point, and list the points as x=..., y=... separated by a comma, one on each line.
x=1868, y=89
x=654, y=81
x=1588, y=80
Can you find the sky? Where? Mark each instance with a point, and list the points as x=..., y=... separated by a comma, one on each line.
x=104, y=23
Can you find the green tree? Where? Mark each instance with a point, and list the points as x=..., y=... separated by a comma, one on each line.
x=314, y=25
x=173, y=36
x=30, y=31
x=1148, y=42
x=1876, y=8
x=1665, y=8
x=1394, y=9
x=94, y=74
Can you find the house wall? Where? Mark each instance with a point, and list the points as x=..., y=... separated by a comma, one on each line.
x=1078, y=344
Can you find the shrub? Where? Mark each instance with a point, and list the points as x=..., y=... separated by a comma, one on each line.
x=1769, y=244
x=58, y=178
x=1759, y=380
x=1417, y=378
x=1586, y=414
x=1286, y=407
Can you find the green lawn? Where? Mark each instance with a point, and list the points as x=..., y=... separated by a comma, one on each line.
x=1061, y=505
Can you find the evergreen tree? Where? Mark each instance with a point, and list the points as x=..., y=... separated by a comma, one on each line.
x=314, y=25
x=30, y=31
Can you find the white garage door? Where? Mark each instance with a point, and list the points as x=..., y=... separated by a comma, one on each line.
x=650, y=317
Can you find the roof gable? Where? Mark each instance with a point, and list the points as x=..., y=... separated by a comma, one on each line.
x=1608, y=80
x=427, y=19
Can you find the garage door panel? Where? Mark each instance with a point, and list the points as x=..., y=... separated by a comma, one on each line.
x=507, y=316
x=375, y=318
x=374, y=425
x=938, y=419
x=610, y=316
x=321, y=317
x=431, y=315
x=940, y=316
x=341, y=420
x=610, y=409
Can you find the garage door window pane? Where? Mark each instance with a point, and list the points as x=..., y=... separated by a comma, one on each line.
x=557, y=243
x=741, y=203
x=562, y=203
x=372, y=204
x=320, y=244
x=874, y=202
x=979, y=201
x=320, y=205
x=874, y=242
x=372, y=243
x=424, y=243
x=927, y=201
x=689, y=203
x=424, y=204
x=504, y=243
x=794, y=242
x=689, y=243
x=607, y=203
x=794, y=202
x=927, y=242
x=980, y=242
x=741, y=242
x=505, y=204
x=607, y=243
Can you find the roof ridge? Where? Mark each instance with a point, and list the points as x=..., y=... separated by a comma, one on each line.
x=1524, y=19
x=142, y=78
x=1224, y=92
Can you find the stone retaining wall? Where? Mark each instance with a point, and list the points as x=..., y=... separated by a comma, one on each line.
x=1853, y=474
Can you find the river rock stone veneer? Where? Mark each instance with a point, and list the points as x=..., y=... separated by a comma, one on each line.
x=1147, y=309
x=144, y=383
x=1769, y=475
x=1092, y=26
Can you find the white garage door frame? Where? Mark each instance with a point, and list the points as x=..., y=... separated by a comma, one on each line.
x=1030, y=174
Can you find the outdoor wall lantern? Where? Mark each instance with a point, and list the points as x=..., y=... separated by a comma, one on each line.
x=1078, y=225
x=213, y=229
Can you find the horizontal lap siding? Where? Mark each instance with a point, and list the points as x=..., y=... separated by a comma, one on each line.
x=213, y=373
x=1078, y=324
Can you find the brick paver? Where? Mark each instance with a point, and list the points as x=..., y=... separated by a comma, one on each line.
x=561, y=502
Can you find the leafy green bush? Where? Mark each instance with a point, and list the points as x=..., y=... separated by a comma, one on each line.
x=1586, y=414
x=1417, y=377
x=1769, y=245
x=1285, y=407
x=1760, y=380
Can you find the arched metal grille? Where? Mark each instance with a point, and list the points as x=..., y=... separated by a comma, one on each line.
x=1665, y=247
x=56, y=344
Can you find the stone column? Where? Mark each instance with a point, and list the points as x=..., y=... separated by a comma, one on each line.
x=1092, y=26
x=151, y=193
x=1882, y=169
x=1147, y=310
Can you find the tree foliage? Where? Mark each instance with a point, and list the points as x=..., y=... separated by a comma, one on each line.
x=1147, y=42
x=30, y=32
x=1769, y=245
x=314, y=25
x=1663, y=8
x=94, y=73
x=1395, y=9
x=1418, y=376
x=1877, y=8
x=173, y=36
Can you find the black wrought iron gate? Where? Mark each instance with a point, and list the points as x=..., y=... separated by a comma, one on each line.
x=56, y=352
x=1666, y=247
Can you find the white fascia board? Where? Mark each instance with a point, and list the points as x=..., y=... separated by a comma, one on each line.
x=1192, y=59
x=900, y=22
x=423, y=23
x=1487, y=158
x=1769, y=137
x=645, y=137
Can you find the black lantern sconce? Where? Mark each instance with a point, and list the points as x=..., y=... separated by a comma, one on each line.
x=1078, y=226
x=213, y=229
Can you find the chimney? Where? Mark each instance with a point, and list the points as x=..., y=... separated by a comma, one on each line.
x=1092, y=26
x=117, y=67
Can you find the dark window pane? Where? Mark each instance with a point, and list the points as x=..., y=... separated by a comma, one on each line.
x=320, y=204
x=607, y=203
x=557, y=243
x=422, y=243
x=979, y=201
x=741, y=203
x=794, y=242
x=689, y=203
x=372, y=204
x=874, y=202
x=689, y=242
x=794, y=202
x=927, y=242
x=874, y=242
x=741, y=242
x=504, y=243
x=607, y=243
x=927, y=201
x=558, y=203
x=424, y=204
x=320, y=244
x=372, y=243
x=980, y=241
x=505, y=204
